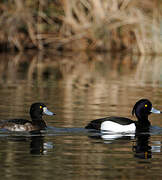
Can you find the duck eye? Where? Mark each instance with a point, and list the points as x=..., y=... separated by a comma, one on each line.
x=40, y=107
x=145, y=105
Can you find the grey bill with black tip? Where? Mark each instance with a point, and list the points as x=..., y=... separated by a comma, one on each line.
x=47, y=112
x=155, y=111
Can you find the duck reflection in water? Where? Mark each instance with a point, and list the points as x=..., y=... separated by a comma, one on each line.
x=37, y=145
x=36, y=141
x=142, y=148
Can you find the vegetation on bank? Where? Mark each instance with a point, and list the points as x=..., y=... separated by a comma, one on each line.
x=131, y=25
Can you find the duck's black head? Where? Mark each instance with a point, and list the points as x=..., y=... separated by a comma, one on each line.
x=143, y=108
x=37, y=110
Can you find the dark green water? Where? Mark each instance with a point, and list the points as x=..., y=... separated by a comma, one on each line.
x=79, y=88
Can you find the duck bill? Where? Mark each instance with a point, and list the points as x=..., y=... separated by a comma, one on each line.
x=155, y=111
x=47, y=112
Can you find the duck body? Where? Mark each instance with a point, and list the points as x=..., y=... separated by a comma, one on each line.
x=115, y=124
x=36, y=112
x=22, y=125
x=142, y=109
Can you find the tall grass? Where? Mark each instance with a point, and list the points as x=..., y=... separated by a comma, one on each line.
x=131, y=25
x=122, y=24
x=27, y=23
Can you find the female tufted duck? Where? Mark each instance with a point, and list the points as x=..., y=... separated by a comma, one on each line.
x=36, y=112
x=141, y=109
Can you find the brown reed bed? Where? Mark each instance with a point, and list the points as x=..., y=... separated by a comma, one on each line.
x=105, y=25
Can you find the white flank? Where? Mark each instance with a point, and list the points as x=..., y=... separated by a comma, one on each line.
x=115, y=127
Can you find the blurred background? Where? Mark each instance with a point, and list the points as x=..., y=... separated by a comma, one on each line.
x=107, y=25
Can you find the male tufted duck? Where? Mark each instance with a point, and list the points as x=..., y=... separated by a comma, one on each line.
x=141, y=109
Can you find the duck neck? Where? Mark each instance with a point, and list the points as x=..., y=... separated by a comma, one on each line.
x=40, y=123
x=35, y=116
x=143, y=120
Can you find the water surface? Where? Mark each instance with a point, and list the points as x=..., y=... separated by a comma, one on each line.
x=79, y=87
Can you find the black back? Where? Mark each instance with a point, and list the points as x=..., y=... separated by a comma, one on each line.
x=17, y=121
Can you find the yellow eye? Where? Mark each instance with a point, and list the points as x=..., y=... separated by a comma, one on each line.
x=40, y=107
x=145, y=105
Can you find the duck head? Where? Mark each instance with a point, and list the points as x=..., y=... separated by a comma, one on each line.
x=143, y=108
x=38, y=109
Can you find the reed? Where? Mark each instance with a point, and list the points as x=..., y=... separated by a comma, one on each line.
x=131, y=25
x=115, y=25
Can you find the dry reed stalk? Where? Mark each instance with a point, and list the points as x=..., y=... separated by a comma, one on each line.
x=99, y=20
x=132, y=25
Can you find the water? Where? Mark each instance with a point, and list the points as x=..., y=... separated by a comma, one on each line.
x=79, y=87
